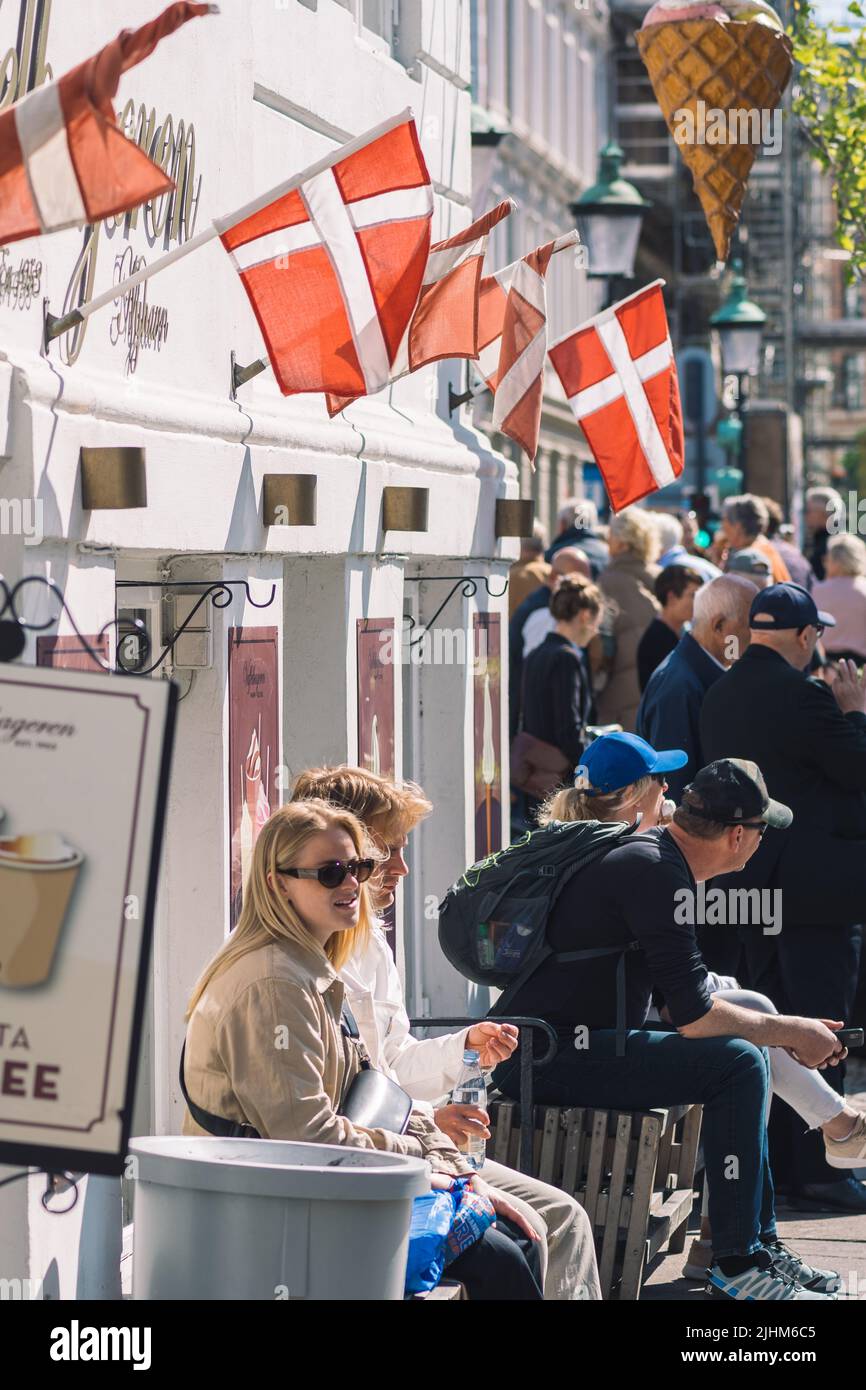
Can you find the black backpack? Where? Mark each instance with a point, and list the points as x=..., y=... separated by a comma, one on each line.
x=493, y=920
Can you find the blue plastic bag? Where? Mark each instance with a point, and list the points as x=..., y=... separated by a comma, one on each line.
x=432, y=1216
x=443, y=1226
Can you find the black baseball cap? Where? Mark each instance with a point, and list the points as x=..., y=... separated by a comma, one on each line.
x=786, y=606
x=732, y=791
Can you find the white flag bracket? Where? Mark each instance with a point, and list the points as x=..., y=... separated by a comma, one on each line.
x=241, y=375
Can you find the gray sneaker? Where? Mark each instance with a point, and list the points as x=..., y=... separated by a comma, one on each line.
x=789, y=1263
x=761, y=1282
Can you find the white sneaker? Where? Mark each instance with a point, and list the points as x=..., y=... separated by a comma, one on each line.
x=850, y=1152
x=761, y=1282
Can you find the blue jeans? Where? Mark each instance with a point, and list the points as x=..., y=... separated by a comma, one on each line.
x=729, y=1077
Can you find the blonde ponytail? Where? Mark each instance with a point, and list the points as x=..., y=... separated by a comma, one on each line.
x=584, y=803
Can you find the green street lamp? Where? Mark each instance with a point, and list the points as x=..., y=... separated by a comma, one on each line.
x=739, y=324
x=609, y=217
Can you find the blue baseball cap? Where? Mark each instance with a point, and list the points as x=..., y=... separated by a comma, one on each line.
x=785, y=606
x=617, y=760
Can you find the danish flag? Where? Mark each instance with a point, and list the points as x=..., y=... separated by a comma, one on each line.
x=619, y=375
x=513, y=341
x=445, y=321
x=333, y=261
x=63, y=160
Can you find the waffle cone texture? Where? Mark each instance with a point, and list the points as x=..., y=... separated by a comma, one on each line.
x=736, y=66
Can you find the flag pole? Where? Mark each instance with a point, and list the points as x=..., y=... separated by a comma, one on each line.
x=55, y=326
x=561, y=243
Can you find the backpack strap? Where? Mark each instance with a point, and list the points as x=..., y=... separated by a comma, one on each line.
x=214, y=1124
x=622, y=952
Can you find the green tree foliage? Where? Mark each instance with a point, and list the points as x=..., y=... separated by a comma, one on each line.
x=830, y=102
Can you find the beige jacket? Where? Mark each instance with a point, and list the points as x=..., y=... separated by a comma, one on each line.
x=264, y=1047
x=629, y=583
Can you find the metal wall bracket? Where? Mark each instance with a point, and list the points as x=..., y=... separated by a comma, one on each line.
x=241, y=375
x=470, y=584
x=14, y=627
x=54, y=326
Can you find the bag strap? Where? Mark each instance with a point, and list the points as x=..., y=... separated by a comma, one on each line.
x=622, y=952
x=214, y=1124
x=349, y=1028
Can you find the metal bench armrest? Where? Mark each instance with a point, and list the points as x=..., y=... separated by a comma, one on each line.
x=528, y=1062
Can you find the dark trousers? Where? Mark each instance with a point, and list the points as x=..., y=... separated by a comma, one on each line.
x=728, y=1076
x=811, y=971
x=502, y=1267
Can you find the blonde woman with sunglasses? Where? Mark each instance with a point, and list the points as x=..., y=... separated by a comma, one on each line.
x=264, y=1045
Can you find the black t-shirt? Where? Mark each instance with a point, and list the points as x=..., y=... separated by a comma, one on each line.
x=657, y=642
x=628, y=895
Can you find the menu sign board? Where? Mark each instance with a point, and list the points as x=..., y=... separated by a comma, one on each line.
x=84, y=764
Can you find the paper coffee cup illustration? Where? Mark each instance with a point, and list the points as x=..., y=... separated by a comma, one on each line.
x=38, y=874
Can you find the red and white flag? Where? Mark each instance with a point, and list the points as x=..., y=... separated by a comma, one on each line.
x=445, y=321
x=63, y=160
x=513, y=341
x=619, y=375
x=333, y=261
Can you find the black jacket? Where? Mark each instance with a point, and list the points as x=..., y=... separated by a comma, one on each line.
x=557, y=695
x=813, y=758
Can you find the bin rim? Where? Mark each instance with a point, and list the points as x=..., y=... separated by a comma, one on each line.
x=252, y=1168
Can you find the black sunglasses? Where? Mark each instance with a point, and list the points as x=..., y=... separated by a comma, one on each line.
x=759, y=825
x=660, y=777
x=333, y=874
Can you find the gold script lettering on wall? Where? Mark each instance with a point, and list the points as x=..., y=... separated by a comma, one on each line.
x=23, y=67
x=169, y=219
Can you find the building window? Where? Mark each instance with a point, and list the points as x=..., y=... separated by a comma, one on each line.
x=852, y=382
x=376, y=19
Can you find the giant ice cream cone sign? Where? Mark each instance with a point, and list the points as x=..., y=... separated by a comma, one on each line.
x=717, y=70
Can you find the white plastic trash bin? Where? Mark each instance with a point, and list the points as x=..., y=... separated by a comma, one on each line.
x=267, y=1219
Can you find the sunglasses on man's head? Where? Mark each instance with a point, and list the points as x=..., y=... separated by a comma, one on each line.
x=332, y=874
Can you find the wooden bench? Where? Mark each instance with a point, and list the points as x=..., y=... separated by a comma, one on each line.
x=632, y=1171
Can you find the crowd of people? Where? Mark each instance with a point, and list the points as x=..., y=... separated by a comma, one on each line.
x=712, y=703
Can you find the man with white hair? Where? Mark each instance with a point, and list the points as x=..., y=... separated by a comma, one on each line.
x=670, y=710
x=578, y=525
x=824, y=517
x=673, y=552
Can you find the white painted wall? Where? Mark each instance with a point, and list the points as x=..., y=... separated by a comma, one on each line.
x=268, y=87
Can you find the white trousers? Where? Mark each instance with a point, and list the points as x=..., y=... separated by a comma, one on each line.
x=803, y=1089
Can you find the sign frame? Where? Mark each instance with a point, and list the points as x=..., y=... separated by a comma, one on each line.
x=59, y=1157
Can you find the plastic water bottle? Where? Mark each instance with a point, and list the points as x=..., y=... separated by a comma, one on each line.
x=471, y=1090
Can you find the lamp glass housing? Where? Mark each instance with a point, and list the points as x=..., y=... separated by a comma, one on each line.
x=610, y=235
x=740, y=345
